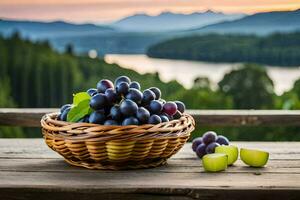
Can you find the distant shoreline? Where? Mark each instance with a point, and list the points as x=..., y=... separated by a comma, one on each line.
x=185, y=71
x=274, y=50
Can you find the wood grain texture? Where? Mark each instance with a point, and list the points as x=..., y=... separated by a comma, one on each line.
x=246, y=117
x=30, y=117
x=26, y=117
x=30, y=170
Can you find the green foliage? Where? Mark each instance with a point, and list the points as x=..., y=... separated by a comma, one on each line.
x=201, y=82
x=33, y=75
x=209, y=99
x=296, y=88
x=79, y=97
x=69, y=49
x=276, y=49
x=45, y=78
x=6, y=101
x=79, y=111
x=5, y=95
x=290, y=100
x=42, y=77
x=249, y=86
x=81, y=107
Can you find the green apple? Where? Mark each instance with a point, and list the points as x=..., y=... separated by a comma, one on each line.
x=231, y=151
x=254, y=158
x=215, y=162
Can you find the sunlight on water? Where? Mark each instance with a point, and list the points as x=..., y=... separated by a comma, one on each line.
x=186, y=71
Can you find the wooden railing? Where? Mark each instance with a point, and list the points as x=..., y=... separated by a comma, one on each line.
x=30, y=117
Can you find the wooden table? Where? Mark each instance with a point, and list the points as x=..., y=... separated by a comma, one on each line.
x=30, y=170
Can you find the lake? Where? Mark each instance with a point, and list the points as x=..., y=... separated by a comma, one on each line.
x=186, y=71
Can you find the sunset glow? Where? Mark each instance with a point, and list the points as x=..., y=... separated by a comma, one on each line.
x=109, y=10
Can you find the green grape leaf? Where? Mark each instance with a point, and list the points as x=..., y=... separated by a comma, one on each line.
x=79, y=111
x=79, y=97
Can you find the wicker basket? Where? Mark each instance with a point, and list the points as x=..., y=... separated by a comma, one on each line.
x=116, y=147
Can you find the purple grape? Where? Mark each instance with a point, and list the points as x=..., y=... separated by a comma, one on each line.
x=111, y=122
x=211, y=147
x=177, y=115
x=97, y=117
x=98, y=101
x=130, y=121
x=154, y=119
x=148, y=96
x=111, y=96
x=135, y=85
x=128, y=107
x=122, y=79
x=135, y=95
x=180, y=106
x=64, y=114
x=170, y=108
x=196, y=143
x=92, y=91
x=201, y=150
x=164, y=118
x=106, y=110
x=115, y=113
x=156, y=91
x=155, y=107
x=169, y=117
x=64, y=107
x=103, y=85
x=222, y=140
x=122, y=88
x=143, y=115
x=209, y=137
x=85, y=119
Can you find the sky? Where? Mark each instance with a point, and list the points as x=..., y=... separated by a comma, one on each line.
x=103, y=11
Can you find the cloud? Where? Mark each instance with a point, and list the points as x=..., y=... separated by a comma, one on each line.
x=105, y=10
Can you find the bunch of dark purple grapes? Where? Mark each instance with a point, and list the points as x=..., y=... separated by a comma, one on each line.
x=207, y=143
x=123, y=103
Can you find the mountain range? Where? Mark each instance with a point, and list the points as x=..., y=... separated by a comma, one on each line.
x=260, y=24
x=134, y=35
x=35, y=29
x=168, y=21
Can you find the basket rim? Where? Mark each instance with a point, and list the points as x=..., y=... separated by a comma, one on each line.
x=49, y=116
x=67, y=129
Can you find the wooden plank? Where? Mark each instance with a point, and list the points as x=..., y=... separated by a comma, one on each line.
x=173, y=166
x=246, y=117
x=26, y=154
x=30, y=170
x=36, y=148
x=26, y=117
x=193, y=185
x=141, y=179
x=30, y=117
x=149, y=194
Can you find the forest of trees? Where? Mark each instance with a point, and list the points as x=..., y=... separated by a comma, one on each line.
x=276, y=49
x=33, y=75
x=36, y=76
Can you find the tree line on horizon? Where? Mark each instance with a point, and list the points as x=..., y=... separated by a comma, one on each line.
x=278, y=49
x=33, y=75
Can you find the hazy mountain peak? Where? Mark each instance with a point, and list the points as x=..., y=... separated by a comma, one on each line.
x=210, y=11
x=169, y=21
x=140, y=15
x=166, y=13
x=35, y=29
x=259, y=23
